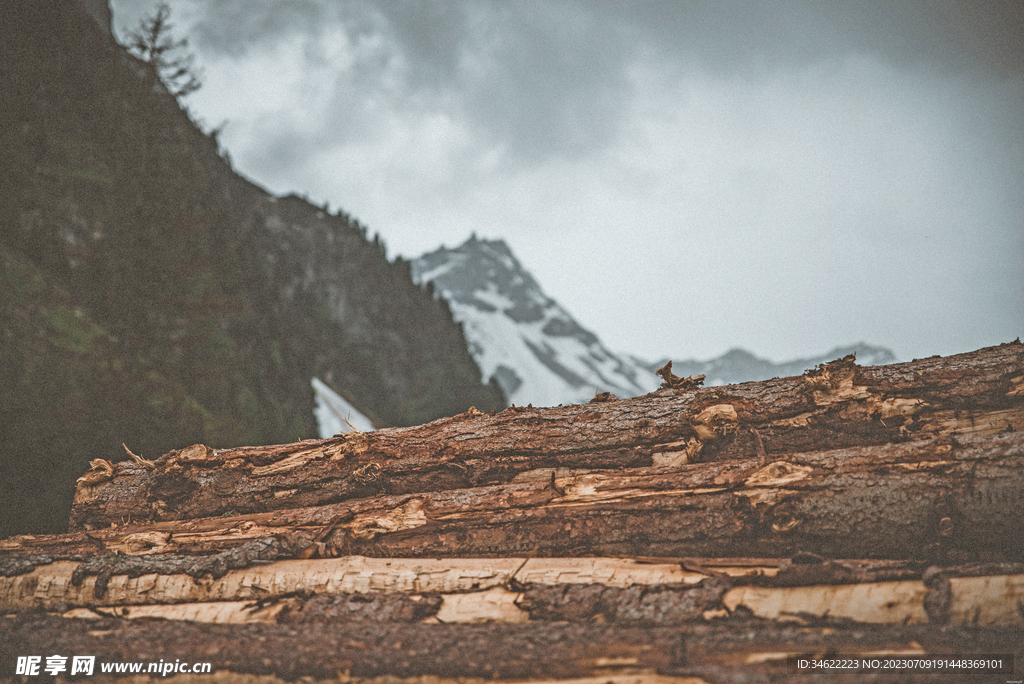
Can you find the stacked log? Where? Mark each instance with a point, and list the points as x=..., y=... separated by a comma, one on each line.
x=693, y=534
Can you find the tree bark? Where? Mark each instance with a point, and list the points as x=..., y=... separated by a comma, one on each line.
x=751, y=649
x=945, y=499
x=838, y=405
x=852, y=511
x=659, y=591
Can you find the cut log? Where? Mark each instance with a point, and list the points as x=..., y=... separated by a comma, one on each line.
x=988, y=601
x=541, y=651
x=945, y=499
x=692, y=535
x=515, y=590
x=51, y=585
x=837, y=405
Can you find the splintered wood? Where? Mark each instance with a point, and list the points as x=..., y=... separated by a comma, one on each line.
x=691, y=535
x=931, y=500
x=840, y=405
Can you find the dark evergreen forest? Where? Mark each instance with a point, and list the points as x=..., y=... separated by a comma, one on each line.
x=150, y=295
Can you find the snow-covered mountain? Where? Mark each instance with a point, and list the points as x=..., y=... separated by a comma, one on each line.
x=739, y=365
x=540, y=355
x=535, y=349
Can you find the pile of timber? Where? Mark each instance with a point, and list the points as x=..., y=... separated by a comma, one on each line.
x=690, y=535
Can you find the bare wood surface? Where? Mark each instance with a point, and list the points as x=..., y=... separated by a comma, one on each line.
x=852, y=510
x=939, y=500
x=839, y=405
x=51, y=585
x=518, y=590
x=718, y=651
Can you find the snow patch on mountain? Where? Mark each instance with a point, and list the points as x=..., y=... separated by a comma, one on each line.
x=536, y=350
x=332, y=411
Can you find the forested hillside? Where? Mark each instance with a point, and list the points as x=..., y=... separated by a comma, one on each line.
x=150, y=295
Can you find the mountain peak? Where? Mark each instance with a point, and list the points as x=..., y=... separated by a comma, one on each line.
x=540, y=354
x=498, y=246
x=519, y=335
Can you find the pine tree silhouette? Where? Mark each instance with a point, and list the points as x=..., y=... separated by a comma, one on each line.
x=153, y=43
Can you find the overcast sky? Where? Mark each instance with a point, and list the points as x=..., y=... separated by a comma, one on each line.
x=684, y=177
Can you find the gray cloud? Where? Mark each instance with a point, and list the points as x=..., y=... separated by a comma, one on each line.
x=235, y=28
x=736, y=37
x=786, y=175
x=550, y=78
x=433, y=35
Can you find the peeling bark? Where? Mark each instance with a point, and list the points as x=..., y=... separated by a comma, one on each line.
x=375, y=607
x=853, y=511
x=838, y=405
x=517, y=590
x=941, y=500
x=636, y=605
x=50, y=586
